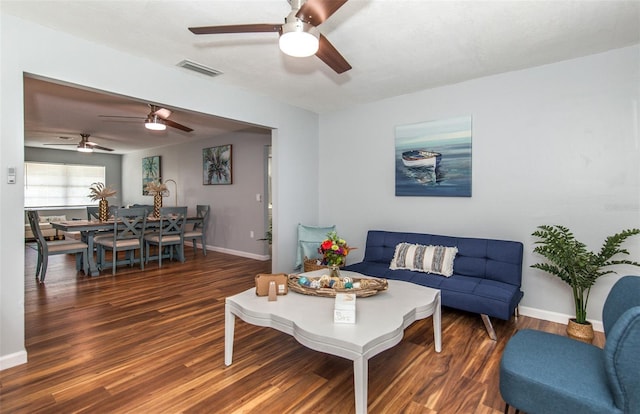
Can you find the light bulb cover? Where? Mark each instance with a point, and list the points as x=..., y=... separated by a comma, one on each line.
x=299, y=39
x=84, y=148
x=154, y=123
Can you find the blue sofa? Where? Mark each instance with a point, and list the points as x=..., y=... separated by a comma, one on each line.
x=487, y=274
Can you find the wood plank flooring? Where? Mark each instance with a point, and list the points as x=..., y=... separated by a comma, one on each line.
x=152, y=341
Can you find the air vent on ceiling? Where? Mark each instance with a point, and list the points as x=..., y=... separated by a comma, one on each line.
x=197, y=67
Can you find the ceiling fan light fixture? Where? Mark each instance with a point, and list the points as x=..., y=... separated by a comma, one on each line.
x=155, y=123
x=82, y=147
x=299, y=39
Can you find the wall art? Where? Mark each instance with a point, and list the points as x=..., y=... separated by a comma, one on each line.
x=150, y=171
x=216, y=165
x=434, y=158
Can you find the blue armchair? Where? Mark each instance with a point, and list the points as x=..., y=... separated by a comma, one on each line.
x=546, y=373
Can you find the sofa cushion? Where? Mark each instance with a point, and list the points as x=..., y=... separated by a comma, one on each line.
x=427, y=259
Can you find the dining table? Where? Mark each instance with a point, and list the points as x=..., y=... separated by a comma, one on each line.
x=89, y=228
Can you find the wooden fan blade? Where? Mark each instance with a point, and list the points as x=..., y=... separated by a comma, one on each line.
x=237, y=28
x=93, y=145
x=121, y=116
x=162, y=113
x=330, y=55
x=177, y=125
x=317, y=11
x=96, y=146
x=101, y=148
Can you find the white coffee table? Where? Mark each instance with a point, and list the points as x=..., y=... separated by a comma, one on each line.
x=380, y=323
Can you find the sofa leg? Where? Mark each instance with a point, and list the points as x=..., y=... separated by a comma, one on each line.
x=517, y=312
x=489, y=327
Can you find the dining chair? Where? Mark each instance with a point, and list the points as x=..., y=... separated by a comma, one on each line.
x=93, y=213
x=170, y=234
x=47, y=248
x=199, y=230
x=128, y=231
x=541, y=372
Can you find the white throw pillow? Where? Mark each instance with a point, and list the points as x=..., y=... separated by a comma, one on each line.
x=427, y=259
x=51, y=219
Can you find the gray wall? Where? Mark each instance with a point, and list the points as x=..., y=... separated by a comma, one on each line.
x=556, y=144
x=111, y=162
x=235, y=211
x=52, y=54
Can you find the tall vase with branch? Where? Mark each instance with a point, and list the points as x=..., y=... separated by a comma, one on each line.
x=157, y=189
x=100, y=192
x=569, y=259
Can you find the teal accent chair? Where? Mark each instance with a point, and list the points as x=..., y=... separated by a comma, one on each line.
x=546, y=373
x=309, y=240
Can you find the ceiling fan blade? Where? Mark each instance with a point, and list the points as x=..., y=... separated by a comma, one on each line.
x=163, y=113
x=99, y=147
x=75, y=143
x=237, y=28
x=121, y=116
x=330, y=55
x=317, y=11
x=177, y=125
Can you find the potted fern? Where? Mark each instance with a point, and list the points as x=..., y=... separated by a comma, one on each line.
x=570, y=260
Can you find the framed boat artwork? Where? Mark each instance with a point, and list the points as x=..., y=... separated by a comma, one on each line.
x=434, y=158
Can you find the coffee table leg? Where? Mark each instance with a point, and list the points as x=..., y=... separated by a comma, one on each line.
x=361, y=383
x=437, y=325
x=229, y=330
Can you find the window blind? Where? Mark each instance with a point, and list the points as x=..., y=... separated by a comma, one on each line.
x=59, y=185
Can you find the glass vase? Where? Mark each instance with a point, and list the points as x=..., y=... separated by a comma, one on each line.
x=334, y=271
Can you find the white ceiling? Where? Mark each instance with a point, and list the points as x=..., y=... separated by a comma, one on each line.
x=394, y=46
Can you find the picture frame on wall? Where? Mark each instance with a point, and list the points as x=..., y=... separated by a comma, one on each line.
x=150, y=171
x=216, y=165
x=434, y=158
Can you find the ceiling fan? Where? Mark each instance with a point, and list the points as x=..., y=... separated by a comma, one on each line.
x=85, y=145
x=156, y=120
x=299, y=35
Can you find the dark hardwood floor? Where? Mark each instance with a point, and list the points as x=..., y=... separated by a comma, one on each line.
x=152, y=341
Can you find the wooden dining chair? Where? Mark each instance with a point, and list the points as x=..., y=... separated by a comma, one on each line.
x=49, y=248
x=128, y=232
x=170, y=234
x=199, y=230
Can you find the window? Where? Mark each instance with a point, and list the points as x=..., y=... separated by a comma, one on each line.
x=59, y=185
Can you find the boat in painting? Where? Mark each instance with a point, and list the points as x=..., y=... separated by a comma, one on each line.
x=421, y=158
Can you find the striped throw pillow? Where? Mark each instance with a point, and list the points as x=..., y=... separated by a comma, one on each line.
x=427, y=259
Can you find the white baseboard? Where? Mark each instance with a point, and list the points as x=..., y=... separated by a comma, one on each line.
x=261, y=257
x=12, y=360
x=555, y=317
